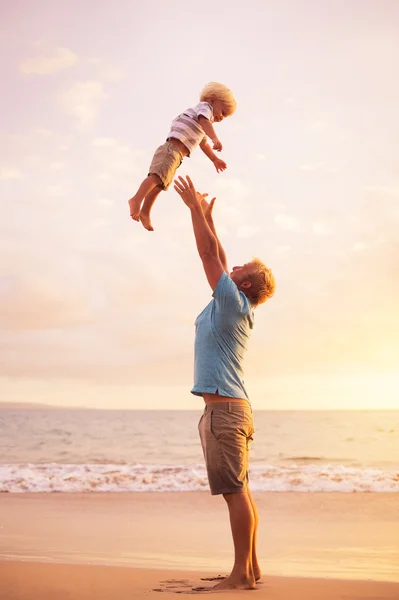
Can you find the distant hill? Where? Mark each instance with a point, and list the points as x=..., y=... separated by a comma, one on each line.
x=32, y=406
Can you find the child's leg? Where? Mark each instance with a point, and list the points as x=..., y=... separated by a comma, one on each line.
x=134, y=203
x=147, y=206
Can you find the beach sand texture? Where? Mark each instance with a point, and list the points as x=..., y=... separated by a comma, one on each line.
x=23, y=581
x=103, y=546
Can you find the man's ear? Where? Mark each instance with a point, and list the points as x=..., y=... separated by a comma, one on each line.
x=246, y=284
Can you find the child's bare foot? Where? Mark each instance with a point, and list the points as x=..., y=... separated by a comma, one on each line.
x=134, y=205
x=146, y=221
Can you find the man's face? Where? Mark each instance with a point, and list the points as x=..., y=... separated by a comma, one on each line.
x=240, y=274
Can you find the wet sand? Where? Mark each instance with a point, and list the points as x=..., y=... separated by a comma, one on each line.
x=110, y=545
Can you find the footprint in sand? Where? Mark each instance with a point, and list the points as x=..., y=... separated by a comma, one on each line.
x=188, y=591
x=169, y=586
x=179, y=581
x=173, y=585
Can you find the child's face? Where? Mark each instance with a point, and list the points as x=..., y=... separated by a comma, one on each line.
x=219, y=111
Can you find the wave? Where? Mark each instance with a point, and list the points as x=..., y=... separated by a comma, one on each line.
x=53, y=477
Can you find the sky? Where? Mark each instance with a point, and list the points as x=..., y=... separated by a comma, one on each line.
x=94, y=310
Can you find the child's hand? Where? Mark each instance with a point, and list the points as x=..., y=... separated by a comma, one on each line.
x=217, y=144
x=220, y=165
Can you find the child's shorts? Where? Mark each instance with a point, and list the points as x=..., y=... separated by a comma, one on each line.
x=167, y=159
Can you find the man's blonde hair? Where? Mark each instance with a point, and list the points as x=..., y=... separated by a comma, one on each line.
x=263, y=282
x=218, y=91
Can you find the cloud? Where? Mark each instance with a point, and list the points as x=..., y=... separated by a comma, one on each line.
x=108, y=71
x=320, y=125
x=10, y=173
x=233, y=186
x=105, y=177
x=55, y=190
x=105, y=142
x=325, y=129
x=287, y=222
x=106, y=202
x=116, y=160
x=232, y=202
x=80, y=312
x=322, y=165
x=49, y=62
x=385, y=190
x=283, y=249
x=40, y=301
x=42, y=132
x=321, y=228
x=57, y=165
x=247, y=231
x=359, y=246
x=83, y=101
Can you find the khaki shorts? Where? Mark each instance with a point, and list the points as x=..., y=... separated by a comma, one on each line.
x=166, y=160
x=226, y=430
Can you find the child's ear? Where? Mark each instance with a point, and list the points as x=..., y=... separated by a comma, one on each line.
x=246, y=284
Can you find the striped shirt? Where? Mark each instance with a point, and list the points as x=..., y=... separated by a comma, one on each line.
x=186, y=127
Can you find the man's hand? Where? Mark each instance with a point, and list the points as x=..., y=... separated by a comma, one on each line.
x=217, y=144
x=206, y=206
x=186, y=190
x=220, y=165
x=208, y=246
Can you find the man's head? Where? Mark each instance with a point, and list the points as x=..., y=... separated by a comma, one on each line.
x=255, y=280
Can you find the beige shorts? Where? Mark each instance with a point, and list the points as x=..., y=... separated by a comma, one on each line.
x=166, y=160
x=226, y=430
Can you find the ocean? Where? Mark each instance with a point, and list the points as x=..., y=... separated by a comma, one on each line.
x=159, y=451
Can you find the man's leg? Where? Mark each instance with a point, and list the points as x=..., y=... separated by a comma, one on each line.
x=255, y=564
x=145, y=188
x=242, y=521
x=147, y=206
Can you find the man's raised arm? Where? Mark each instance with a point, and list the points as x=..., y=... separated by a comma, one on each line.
x=207, y=208
x=207, y=243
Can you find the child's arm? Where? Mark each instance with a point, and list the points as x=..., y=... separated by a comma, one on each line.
x=220, y=165
x=210, y=132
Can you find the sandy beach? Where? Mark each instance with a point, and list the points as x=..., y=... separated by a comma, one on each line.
x=131, y=545
x=80, y=582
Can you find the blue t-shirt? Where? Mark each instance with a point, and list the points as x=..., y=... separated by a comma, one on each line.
x=222, y=331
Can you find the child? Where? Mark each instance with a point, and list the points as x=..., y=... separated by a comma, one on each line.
x=188, y=130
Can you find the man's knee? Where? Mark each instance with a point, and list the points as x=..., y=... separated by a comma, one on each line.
x=237, y=496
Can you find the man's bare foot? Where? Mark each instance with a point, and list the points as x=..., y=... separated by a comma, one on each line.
x=235, y=582
x=145, y=221
x=257, y=573
x=134, y=205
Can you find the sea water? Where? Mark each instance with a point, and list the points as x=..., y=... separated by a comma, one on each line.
x=156, y=451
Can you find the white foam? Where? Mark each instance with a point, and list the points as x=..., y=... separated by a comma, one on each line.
x=54, y=477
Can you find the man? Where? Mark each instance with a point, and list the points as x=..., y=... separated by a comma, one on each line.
x=223, y=329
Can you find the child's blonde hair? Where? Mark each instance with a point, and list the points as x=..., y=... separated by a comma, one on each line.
x=218, y=91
